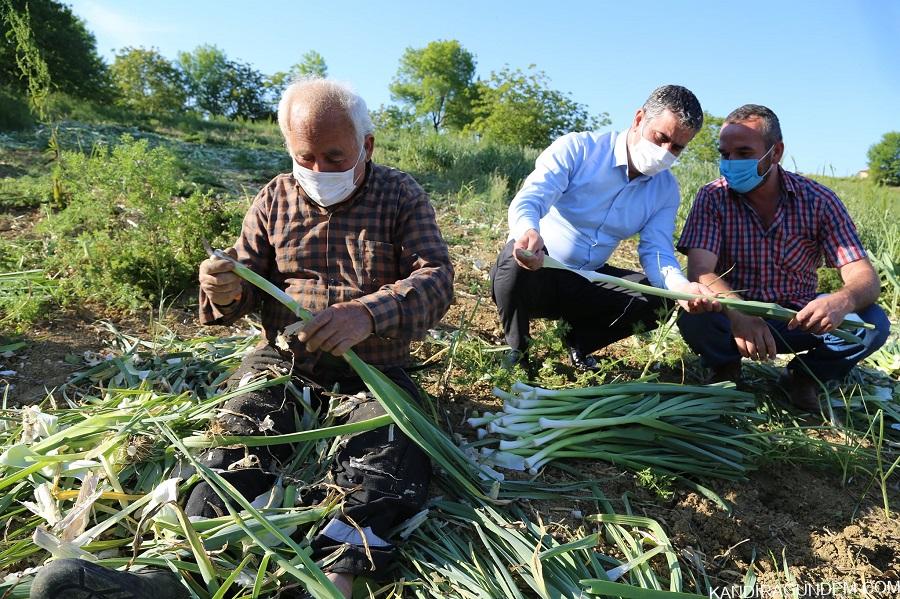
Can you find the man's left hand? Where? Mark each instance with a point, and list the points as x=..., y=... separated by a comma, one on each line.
x=822, y=315
x=699, y=304
x=337, y=328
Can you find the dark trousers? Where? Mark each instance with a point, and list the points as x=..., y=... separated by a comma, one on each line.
x=385, y=476
x=597, y=313
x=827, y=357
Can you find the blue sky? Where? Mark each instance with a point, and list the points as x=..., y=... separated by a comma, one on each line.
x=830, y=69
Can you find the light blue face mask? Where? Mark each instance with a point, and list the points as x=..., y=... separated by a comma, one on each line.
x=742, y=175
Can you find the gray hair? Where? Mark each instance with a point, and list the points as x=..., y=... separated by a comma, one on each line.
x=771, y=128
x=680, y=101
x=319, y=96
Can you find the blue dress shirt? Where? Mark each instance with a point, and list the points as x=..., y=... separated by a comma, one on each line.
x=580, y=200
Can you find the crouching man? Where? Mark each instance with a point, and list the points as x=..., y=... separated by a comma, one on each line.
x=358, y=245
x=760, y=232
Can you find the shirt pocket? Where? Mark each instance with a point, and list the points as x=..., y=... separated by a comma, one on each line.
x=376, y=265
x=799, y=254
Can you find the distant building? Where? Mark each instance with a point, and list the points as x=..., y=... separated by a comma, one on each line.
x=863, y=174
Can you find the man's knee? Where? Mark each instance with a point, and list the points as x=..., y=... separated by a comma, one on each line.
x=876, y=316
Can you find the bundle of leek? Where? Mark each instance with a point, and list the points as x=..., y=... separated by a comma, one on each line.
x=754, y=308
x=700, y=431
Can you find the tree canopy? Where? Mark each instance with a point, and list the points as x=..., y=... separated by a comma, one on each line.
x=222, y=87
x=147, y=82
x=436, y=82
x=884, y=159
x=65, y=45
x=520, y=108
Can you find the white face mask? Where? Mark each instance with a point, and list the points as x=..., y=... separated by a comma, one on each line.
x=649, y=158
x=327, y=189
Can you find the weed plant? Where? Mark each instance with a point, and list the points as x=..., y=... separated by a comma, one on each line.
x=127, y=236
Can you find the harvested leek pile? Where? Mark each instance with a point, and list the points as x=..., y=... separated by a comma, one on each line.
x=512, y=556
x=700, y=431
x=101, y=479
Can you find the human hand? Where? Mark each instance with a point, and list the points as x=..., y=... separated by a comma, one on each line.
x=752, y=336
x=337, y=328
x=700, y=304
x=822, y=315
x=218, y=281
x=532, y=241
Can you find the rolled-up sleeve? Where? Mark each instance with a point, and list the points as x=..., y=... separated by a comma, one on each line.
x=545, y=185
x=407, y=308
x=655, y=249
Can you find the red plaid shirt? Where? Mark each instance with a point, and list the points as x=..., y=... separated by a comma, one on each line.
x=381, y=248
x=777, y=264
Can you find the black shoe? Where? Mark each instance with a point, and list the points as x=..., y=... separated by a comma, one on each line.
x=80, y=579
x=582, y=362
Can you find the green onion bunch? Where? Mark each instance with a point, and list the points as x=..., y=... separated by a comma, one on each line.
x=681, y=430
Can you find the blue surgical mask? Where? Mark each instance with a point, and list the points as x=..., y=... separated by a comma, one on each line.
x=742, y=175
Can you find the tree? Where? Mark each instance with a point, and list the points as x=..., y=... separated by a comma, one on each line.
x=218, y=86
x=148, y=82
x=704, y=148
x=436, y=81
x=884, y=159
x=205, y=70
x=66, y=46
x=312, y=64
x=520, y=108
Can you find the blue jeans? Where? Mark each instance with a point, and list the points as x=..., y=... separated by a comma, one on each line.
x=827, y=357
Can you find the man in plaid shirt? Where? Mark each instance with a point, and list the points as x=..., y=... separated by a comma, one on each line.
x=760, y=233
x=357, y=244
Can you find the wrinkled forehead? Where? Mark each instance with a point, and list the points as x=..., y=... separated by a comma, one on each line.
x=312, y=129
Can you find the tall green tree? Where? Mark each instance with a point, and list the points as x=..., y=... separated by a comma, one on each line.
x=218, y=86
x=520, y=108
x=884, y=159
x=206, y=71
x=436, y=81
x=312, y=64
x=67, y=48
x=148, y=82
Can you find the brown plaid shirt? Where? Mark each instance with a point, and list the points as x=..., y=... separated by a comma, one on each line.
x=381, y=248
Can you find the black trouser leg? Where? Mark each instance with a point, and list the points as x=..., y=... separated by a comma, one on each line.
x=243, y=415
x=598, y=313
x=602, y=313
x=386, y=476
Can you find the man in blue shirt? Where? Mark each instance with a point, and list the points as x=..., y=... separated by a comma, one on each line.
x=588, y=192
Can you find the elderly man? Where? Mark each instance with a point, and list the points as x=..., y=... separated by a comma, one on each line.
x=357, y=244
x=764, y=231
x=588, y=192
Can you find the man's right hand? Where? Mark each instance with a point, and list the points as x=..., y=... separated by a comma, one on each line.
x=218, y=281
x=532, y=241
x=752, y=336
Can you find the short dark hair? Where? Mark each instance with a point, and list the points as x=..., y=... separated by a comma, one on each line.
x=680, y=101
x=771, y=129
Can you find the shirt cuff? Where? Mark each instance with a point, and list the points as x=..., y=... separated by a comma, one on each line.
x=384, y=308
x=673, y=279
x=521, y=226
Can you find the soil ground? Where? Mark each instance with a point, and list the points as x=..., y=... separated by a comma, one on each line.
x=827, y=529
